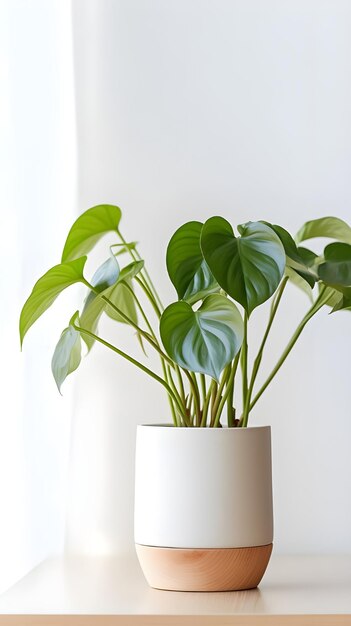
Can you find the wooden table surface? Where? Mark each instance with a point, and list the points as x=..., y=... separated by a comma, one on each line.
x=90, y=591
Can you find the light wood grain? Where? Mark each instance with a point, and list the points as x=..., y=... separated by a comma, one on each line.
x=223, y=569
x=112, y=591
x=171, y=620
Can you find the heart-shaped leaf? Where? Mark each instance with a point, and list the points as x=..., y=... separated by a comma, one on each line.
x=46, y=290
x=331, y=227
x=67, y=355
x=89, y=228
x=205, y=340
x=249, y=268
x=186, y=265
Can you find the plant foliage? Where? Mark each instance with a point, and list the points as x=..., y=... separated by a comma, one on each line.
x=221, y=275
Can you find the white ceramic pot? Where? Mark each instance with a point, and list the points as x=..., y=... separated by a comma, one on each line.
x=203, y=506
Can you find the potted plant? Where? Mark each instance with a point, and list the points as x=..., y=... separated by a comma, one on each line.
x=203, y=494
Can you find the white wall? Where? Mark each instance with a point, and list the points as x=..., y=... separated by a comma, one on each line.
x=37, y=198
x=189, y=108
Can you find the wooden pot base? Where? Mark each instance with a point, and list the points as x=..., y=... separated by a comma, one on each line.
x=216, y=569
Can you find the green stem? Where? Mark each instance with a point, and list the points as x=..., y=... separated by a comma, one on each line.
x=136, y=256
x=313, y=310
x=146, y=336
x=230, y=397
x=203, y=387
x=167, y=374
x=134, y=362
x=207, y=403
x=258, y=359
x=224, y=380
x=176, y=393
x=195, y=390
x=170, y=400
x=230, y=382
x=213, y=400
x=181, y=384
x=243, y=361
x=138, y=303
x=152, y=286
x=149, y=295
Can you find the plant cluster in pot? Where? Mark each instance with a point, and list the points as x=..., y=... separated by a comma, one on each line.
x=214, y=533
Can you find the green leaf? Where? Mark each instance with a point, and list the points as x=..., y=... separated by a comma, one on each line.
x=249, y=268
x=186, y=266
x=89, y=228
x=121, y=296
x=298, y=259
x=331, y=297
x=343, y=304
x=336, y=270
x=67, y=355
x=108, y=280
x=287, y=241
x=205, y=340
x=299, y=282
x=46, y=290
x=105, y=276
x=331, y=227
x=308, y=257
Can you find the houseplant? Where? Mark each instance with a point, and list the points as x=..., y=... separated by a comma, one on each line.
x=219, y=534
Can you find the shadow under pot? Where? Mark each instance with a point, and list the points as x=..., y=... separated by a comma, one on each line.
x=203, y=506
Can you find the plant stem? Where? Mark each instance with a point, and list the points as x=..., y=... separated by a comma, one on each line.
x=166, y=373
x=136, y=256
x=152, y=286
x=224, y=379
x=230, y=417
x=313, y=310
x=134, y=362
x=170, y=400
x=138, y=303
x=155, y=344
x=146, y=336
x=243, y=360
x=149, y=295
x=180, y=382
x=213, y=400
x=207, y=403
x=258, y=359
x=195, y=390
x=203, y=387
x=182, y=403
x=230, y=382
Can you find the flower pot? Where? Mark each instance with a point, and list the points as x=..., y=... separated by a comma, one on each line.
x=203, y=506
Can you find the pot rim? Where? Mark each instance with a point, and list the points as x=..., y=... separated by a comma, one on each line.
x=204, y=428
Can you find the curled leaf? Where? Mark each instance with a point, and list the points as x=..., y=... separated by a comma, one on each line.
x=67, y=355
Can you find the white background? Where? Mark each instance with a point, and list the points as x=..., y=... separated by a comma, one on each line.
x=185, y=109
